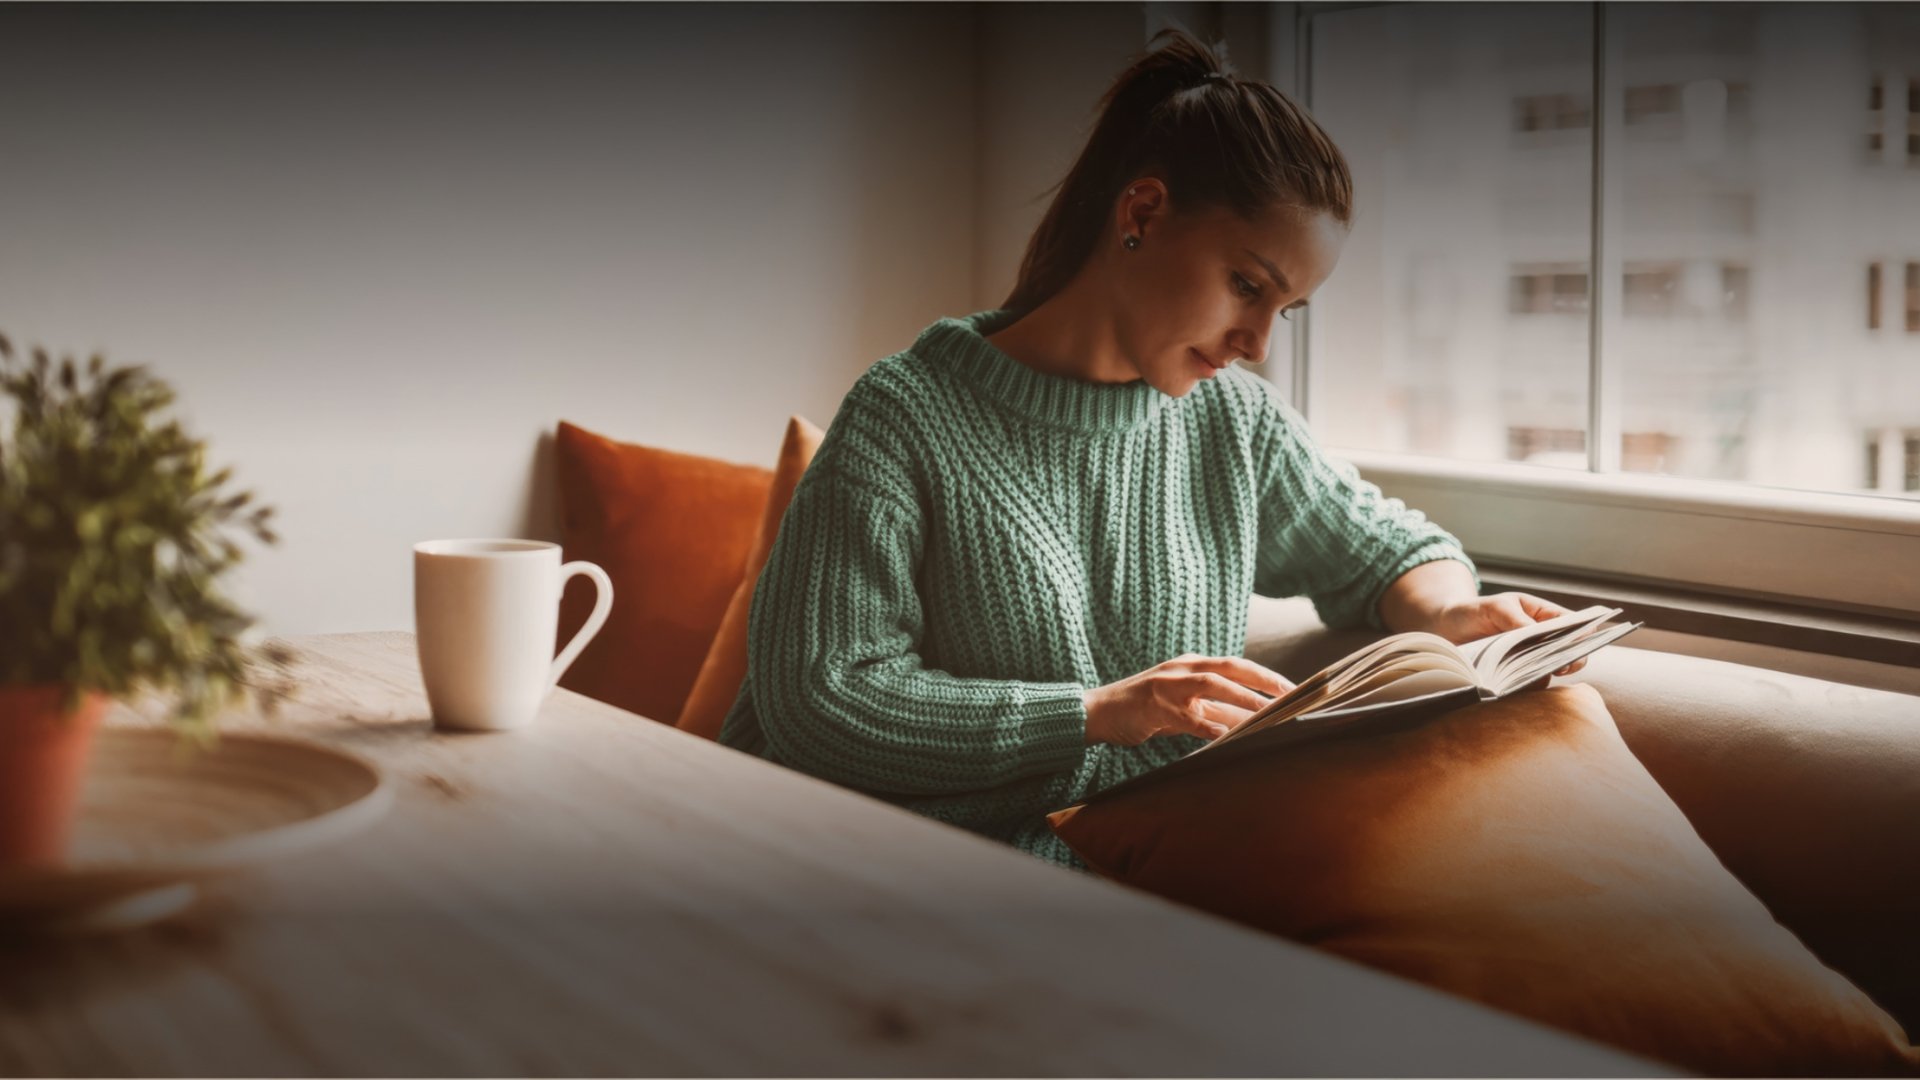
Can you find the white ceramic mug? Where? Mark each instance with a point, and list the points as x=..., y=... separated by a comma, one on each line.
x=485, y=614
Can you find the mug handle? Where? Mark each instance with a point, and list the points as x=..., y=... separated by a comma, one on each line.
x=602, y=604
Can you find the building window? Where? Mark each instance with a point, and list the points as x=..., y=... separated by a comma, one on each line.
x=1662, y=290
x=1640, y=451
x=1645, y=102
x=1650, y=291
x=1550, y=112
x=1913, y=298
x=1874, y=116
x=1913, y=118
x=1739, y=100
x=1642, y=104
x=1876, y=104
x=1873, y=461
x=1547, y=290
x=1534, y=443
x=1733, y=288
x=1521, y=297
x=1911, y=482
x=1873, y=296
x=1648, y=451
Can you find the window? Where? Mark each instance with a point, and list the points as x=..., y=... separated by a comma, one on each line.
x=1873, y=460
x=1913, y=118
x=1739, y=101
x=1550, y=112
x=1527, y=115
x=1911, y=480
x=1651, y=291
x=1676, y=290
x=1913, y=297
x=1643, y=105
x=1645, y=102
x=1547, y=291
x=1648, y=451
x=1646, y=233
x=1533, y=444
x=1537, y=290
x=1876, y=116
x=1733, y=290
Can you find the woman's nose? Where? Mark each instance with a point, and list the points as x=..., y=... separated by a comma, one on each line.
x=1249, y=344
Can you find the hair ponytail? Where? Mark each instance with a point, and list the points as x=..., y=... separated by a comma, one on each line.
x=1216, y=140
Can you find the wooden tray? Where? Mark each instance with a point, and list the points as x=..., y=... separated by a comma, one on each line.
x=159, y=814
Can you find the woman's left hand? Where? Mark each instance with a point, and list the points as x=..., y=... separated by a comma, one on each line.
x=1484, y=616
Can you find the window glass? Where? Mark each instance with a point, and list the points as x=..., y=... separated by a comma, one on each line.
x=1741, y=347
x=1744, y=212
x=1456, y=322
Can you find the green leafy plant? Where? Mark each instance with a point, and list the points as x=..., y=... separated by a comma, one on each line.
x=112, y=544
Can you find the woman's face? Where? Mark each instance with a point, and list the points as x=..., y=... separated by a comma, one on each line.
x=1204, y=288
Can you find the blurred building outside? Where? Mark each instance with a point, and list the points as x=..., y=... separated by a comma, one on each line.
x=1764, y=197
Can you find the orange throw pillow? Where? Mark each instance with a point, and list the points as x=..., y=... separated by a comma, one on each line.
x=1513, y=852
x=673, y=532
x=726, y=664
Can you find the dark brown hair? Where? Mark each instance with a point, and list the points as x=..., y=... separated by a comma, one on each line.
x=1218, y=141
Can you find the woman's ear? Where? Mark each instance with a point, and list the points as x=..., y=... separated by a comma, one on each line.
x=1140, y=204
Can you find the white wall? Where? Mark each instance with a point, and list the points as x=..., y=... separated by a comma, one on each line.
x=1043, y=68
x=381, y=252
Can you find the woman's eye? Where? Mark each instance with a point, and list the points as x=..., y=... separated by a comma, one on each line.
x=1287, y=314
x=1245, y=287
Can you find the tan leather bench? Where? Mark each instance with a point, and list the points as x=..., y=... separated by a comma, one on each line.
x=1808, y=790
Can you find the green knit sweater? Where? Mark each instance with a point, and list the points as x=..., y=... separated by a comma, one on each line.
x=977, y=543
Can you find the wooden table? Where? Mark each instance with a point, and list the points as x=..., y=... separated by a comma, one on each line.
x=601, y=894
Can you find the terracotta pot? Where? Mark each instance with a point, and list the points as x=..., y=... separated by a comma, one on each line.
x=43, y=759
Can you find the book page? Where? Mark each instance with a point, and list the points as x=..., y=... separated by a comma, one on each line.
x=1547, y=661
x=1556, y=642
x=1385, y=677
x=1402, y=668
x=1489, y=653
x=1407, y=646
x=1363, y=672
x=1354, y=665
x=1278, y=711
x=1413, y=641
x=1412, y=684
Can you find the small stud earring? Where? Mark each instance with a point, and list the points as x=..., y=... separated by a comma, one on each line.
x=1132, y=243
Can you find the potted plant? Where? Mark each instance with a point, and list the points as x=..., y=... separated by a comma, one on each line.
x=112, y=544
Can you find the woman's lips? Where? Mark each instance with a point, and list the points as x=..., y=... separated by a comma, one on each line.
x=1205, y=364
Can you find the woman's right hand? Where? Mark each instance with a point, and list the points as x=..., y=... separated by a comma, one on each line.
x=1187, y=695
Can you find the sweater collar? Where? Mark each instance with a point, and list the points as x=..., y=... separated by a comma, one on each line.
x=1063, y=402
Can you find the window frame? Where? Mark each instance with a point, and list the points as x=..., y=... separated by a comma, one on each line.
x=1833, y=551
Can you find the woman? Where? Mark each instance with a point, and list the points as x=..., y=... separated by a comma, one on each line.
x=1018, y=569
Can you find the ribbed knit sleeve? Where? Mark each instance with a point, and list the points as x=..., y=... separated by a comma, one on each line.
x=838, y=682
x=1327, y=534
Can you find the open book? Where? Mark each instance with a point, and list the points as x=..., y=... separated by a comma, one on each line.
x=1404, y=678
